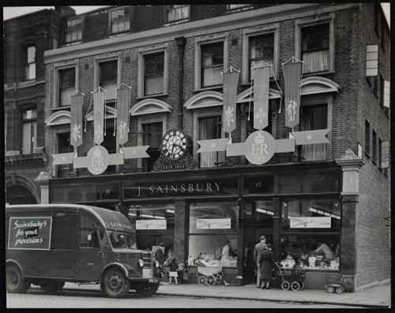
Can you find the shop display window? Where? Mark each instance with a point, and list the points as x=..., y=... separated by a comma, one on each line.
x=213, y=231
x=311, y=215
x=310, y=252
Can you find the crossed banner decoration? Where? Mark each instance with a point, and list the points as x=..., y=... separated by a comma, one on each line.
x=98, y=158
x=260, y=146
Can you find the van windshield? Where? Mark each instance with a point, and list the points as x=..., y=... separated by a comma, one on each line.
x=122, y=240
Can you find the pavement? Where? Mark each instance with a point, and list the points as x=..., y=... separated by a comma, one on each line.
x=377, y=297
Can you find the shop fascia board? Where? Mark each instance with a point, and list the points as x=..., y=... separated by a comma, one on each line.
x=191, y=29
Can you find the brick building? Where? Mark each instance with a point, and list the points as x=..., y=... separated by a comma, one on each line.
x=172, y=57
x=25, y=39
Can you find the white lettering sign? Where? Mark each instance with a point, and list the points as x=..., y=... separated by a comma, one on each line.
x=151, y=224
x=213, y=223
x=310, y=222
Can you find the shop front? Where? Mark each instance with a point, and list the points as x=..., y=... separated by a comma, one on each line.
x=214, y=217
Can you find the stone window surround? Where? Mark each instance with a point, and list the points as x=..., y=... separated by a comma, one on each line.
x=306, y=22
x=57, y=68
x=140, y=69
x=208, y=39
x=146, y=119
x=99, y=59
x=256, y=31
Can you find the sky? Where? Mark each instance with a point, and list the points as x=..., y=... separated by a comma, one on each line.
x=11, y=12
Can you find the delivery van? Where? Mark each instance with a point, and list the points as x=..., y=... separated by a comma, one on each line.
x=50, y=244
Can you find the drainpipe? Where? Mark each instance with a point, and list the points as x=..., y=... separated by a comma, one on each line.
x=181, y=41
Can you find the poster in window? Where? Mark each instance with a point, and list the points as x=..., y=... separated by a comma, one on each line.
x=151, y=224
x=30, y=233
x=213, y=223
x=310, y=222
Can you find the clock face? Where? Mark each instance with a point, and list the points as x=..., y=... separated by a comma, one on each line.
x=174, y=144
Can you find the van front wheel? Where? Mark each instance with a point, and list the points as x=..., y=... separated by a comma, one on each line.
x=116, y=285
x=15, y=281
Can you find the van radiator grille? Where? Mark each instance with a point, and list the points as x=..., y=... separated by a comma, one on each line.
x=147, y=258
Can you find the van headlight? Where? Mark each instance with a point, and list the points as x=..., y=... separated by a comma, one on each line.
x=141, y=263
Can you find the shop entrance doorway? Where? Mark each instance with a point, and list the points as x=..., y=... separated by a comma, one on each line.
x=258, y=222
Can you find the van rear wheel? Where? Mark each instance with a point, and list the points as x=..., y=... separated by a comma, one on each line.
x=15, y=282
x=115, y=284
x=52, y=286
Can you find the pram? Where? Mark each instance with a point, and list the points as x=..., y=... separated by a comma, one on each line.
x=209, y=276
x=289, y=278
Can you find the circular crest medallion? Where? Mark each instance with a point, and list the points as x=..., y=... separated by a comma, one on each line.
x=98, y=160
x=260, y=147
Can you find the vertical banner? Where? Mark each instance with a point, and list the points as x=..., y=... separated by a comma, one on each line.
x=76, y=120
x=98, y=116
x=123, y=105
x=292, y=73
x=230, y=93
x=261, y=97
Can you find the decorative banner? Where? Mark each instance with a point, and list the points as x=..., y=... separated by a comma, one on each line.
x=98, y=160
x=259, y=147
x=235, y=149
x=213, y=145
x=261, y=97
x=76, y=119
x=135, y=152
x=213, y=223
x=123, y=116
x=151, y=224
x=62, y=158
x=310, y=222
x=292, y=73
x=229, y=104
x=98, y=116
x=311, y=137
x=30, y=233
x=285, y=145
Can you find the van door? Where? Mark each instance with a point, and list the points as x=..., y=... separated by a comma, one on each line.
x=90, y=259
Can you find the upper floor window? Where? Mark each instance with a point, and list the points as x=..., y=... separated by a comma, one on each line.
x=212, y=64
x=152, y=136
x=64, y=146
x=238, y=7
x=374, y=146
x=154, y=73
x=314, y=117
x=261, y=51
x=73, y=30
x=315, y=48
x=29, y=131
x=177, y=13
x=31, y=63
x=108, y=77
x=120, y=20
x=210, y=128
x=66, y=85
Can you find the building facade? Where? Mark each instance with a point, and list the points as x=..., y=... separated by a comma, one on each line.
x=172, y=58
x=25, y=39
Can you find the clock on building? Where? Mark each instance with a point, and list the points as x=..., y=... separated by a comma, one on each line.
x=174, y=144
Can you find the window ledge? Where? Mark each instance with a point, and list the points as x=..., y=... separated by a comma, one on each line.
x=25, y=158
x=218, y=87
x=66, y=107
x=158, y=95
x=120, y=33
x=73, y=43
x=328, y=72
x=176, y=22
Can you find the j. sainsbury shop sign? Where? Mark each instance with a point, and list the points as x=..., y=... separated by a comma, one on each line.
x=173, y=189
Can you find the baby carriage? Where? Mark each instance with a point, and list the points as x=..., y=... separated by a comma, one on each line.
x=209, y=276
x=289, y=278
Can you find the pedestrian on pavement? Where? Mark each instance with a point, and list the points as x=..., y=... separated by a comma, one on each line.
x=171, y=262
x=266, y=267
x=159, y=257
x=258, y=249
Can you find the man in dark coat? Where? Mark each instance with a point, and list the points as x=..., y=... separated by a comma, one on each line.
x=259, y=248
x=159, y=257
x=266, y=267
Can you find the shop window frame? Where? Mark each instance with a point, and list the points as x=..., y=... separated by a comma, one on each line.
x=206, y=40
x=258, y=31
x=311, y=22
x=142, y=52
